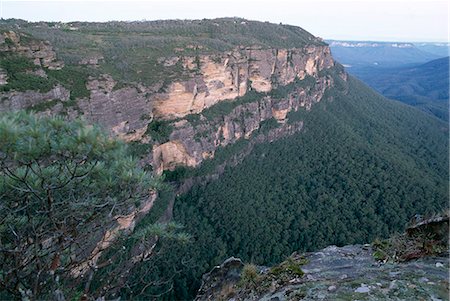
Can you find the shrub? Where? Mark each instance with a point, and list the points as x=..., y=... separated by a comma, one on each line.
x=249, y=276
x=73, y=78
x=159, y=130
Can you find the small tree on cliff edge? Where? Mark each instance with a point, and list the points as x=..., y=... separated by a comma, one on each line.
x=61, y=185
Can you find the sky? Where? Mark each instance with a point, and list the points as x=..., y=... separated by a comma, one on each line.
x=375, y=20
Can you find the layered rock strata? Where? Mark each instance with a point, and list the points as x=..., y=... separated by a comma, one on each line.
x=205, y=81
x=231, y=75
x=192, y=142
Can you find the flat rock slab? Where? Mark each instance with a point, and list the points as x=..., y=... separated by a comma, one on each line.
x=353, y=274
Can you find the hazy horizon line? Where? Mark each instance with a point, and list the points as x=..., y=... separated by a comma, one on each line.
x=343, y=39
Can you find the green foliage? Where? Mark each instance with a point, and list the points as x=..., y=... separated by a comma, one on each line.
x=178, y=174
x=165, y=196
x=155, y=272
x=380, y=247
x=61, y=184
x=283, y=91
x=429, y=239
x=288, y=269
x=374, y=161
x=220, y=109
x=74, y=78
x=138, y=149
x=24, y=82
x=16, y=67
x=168, y=230
x=14, y=64
x=141, y=151
x=249, y=276
x=156, y=276
x=268, y=125
x=159, y=130
x=132, y=50
x=254, y=281
x=9, y=42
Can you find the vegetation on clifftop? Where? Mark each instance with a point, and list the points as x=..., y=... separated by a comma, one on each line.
x=131, y=49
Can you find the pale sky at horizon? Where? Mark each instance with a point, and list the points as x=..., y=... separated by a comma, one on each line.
x=380, y=20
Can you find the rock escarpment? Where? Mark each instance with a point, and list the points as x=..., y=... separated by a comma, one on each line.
x=191, y=142
x=216, y=100
x=120, y=110
x=230, y=75
x=247, y=84
x=15, y=100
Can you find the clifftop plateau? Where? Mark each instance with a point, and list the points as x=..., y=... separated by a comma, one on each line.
x=203, y=95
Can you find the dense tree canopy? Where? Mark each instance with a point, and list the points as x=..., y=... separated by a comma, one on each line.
x=361, y=169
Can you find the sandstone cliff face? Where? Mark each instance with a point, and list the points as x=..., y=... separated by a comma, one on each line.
x=206, y=80
x=125, y=112
x=229, y=77
x=191, y=142
x=13, y=100
x=233, y=74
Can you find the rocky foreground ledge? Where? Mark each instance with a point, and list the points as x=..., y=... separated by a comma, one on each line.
x=346, y=273
x=356, y=272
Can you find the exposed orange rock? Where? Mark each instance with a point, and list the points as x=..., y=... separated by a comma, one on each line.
x=192, y=144
x=280, y=115
x=226, y=77
x=170, y=155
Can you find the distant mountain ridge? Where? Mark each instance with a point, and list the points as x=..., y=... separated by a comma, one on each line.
x=425, y=86
x=360, y=44
x=413, y=85
x=414, y=73
x=441, y=49
x=379, y=54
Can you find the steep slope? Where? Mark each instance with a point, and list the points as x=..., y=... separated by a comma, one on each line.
x=205, y=78
x=424, y=86
x=362, y=166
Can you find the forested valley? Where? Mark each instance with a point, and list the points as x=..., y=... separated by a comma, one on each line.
x=362, y=167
